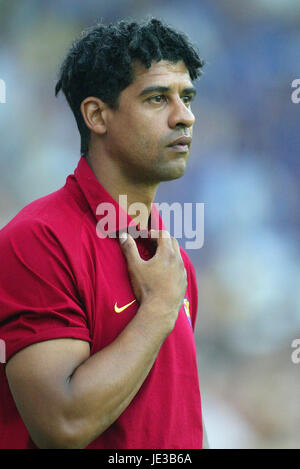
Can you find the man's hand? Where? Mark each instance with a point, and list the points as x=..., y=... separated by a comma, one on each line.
x=160, y=281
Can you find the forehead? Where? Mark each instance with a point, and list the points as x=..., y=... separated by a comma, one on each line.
x=161, y=73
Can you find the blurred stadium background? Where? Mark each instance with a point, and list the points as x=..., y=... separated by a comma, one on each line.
x=243, y=166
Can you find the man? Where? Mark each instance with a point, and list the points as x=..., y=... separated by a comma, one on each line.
x=99, y=329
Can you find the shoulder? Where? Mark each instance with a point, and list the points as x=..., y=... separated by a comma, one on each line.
x=55, y=216
x=46, y=231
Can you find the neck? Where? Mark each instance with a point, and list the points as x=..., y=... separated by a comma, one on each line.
x=109, y=173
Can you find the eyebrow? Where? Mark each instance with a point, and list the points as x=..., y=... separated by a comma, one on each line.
x=166, y=89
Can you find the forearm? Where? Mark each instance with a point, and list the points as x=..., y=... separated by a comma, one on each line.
x=103, y=386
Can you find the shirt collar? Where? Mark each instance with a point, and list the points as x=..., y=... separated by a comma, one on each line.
x=95, y=194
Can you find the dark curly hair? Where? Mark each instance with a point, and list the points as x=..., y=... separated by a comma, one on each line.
x=99, y=63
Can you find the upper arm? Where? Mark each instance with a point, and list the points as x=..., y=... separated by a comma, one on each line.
x=38, y=377
x=39, y=288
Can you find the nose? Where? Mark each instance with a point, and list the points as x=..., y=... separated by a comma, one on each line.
x=180, y=115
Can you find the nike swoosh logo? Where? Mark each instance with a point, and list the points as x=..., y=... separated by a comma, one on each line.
x=119, y=310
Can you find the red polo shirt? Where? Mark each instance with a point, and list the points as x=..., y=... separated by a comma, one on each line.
x=59, y=279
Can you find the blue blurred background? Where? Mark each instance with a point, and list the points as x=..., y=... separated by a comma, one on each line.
x=243, y=166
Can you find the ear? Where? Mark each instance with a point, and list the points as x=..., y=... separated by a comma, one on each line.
x=94, y=113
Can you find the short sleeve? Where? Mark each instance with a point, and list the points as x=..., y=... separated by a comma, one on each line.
x=39, y=298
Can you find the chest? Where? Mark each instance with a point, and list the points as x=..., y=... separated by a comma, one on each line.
x=111, y=304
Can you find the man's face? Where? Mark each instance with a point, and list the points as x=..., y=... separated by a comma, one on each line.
x=153, y=112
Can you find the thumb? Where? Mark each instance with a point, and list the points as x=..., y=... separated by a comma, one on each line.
x=129, y=248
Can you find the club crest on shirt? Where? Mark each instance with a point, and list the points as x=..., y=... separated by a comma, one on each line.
x=186, y=305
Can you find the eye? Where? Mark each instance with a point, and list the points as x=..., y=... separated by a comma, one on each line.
x=187, y=99
x=157, y=99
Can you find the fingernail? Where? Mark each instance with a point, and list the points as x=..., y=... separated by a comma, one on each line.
x=123, y=237
x=154, y=233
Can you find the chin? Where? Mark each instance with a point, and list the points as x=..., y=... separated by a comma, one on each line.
x=173, y=172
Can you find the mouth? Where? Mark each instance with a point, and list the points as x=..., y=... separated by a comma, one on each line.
x=180, y=148
x=181, y=144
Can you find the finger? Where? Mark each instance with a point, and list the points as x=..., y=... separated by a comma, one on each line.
x=176, y=248
x=163, y=240
x=160, y=236
x=129, y=248
x=175, y=245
